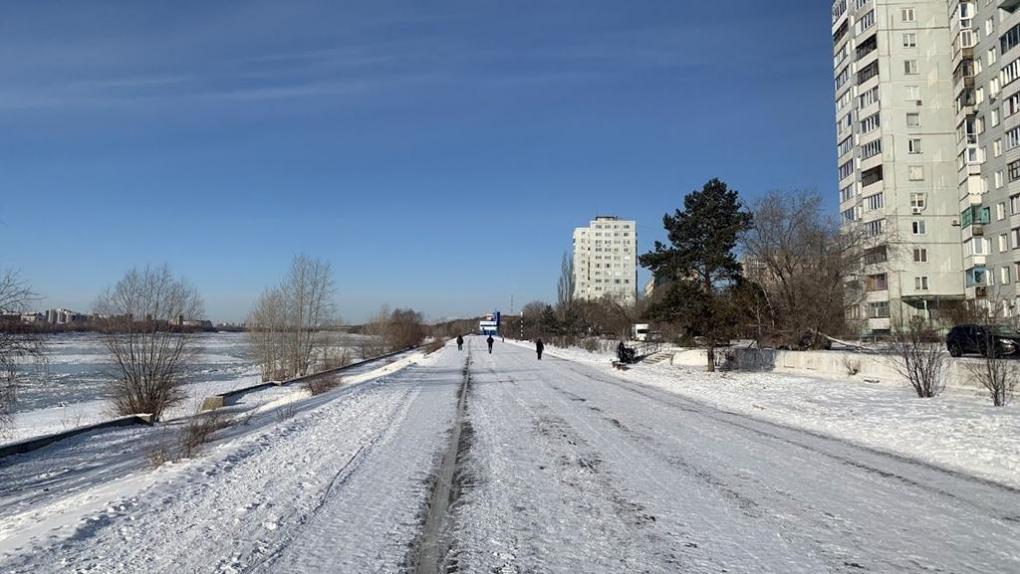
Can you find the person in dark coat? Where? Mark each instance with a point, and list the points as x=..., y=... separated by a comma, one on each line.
x=460, y=343
x=539, y=347
x=490, y=341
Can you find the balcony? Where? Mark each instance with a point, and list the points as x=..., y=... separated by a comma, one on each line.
x=1009, y=5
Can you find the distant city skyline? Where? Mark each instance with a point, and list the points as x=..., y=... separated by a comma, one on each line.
x=437, y=156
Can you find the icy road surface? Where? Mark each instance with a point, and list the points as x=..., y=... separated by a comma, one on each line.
x=502, y=463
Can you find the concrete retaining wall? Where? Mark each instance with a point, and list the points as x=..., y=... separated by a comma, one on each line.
x=36, y=443
x=221, y=400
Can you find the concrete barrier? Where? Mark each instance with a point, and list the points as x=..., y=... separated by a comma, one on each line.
x=826, y=364
x=230, y=397
x=28, y=445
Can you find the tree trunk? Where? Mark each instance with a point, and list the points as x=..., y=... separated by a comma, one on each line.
x=711, y=356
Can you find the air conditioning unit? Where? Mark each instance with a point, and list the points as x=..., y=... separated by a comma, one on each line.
x=916, y=210
x=920, y=103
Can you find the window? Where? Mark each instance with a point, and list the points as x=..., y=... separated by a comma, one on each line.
x=871, y=149
x=990, y=56
x=910, y=67
x=907, y=14
x=913, y=120
x=870, y=123
x=910, y=40
x=917, y=227
x=918, y=201
x=998, y=179
x=1011, y=105
x=869, y=97
x=873, y=228
x=866, y=21
x=1015, y=235
x=878, y=282
x=1013, y=170
x=1010, y=39
x=878, y=310
x=1004, y=276
x=975, y=276
x=869, y=71
x=1000, y=211
x=920, y=255
x=996, y=148
x=921, y=283
x=914, y=145
x=845, y=146
x=916, y=173
x=1003, y=243
x=846, y=170
x=873, y=202
x=995, y=117
x=1011, y=138
x=913, y=93
x=1009, y=73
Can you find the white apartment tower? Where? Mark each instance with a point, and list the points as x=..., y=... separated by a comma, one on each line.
x=898, y=158
x=986, y=64
x=605, y=260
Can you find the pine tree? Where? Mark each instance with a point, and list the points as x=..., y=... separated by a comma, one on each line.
x=700, y=264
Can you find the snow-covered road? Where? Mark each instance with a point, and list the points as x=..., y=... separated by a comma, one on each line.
x=548, y=466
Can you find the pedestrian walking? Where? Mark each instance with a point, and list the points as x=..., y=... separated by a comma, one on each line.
x=490, y=341
x=539, y=347
x=460, y=343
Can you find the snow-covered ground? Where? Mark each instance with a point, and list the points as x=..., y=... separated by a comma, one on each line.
x=498, y=463
x=959, y=429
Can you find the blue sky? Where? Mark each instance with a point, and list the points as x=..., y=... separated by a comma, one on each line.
x=437, y=153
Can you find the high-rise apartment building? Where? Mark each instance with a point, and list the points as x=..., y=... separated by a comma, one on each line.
x=605, y=260
x=986, y=64
x=898, y=155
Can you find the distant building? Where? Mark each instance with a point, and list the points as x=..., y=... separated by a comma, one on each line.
x=605, y=260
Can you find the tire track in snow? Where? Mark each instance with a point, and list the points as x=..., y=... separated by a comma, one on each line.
x=433, y=545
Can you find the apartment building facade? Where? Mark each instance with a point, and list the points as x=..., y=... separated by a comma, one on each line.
x=898, y=157
x=605, y=260
x=986, y=70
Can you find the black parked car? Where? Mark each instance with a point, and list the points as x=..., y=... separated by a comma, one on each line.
x=985, y=341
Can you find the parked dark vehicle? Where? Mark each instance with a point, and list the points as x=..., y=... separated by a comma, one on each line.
x=983, y=340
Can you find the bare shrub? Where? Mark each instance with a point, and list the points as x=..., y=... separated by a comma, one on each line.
x=286, y=412
x=404, y=329
x=590, y=344
x=433, y=346
x=919, y=357
x=319, y=385
x=282, y=325
x=994, y=372
x=199, y=430
x=142, y=333
x=335, y=359
x=16, y=344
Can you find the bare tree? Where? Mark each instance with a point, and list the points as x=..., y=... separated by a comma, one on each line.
x=801, y=262
x=404, y=329
x=565, y=286
x=16, y=343
x=284, y=323
x=920, y=357
x=144, y=334
x=996, y=373
x=374, y=341
x=267, y=333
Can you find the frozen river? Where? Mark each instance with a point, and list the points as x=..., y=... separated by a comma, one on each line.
x=78, y=369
